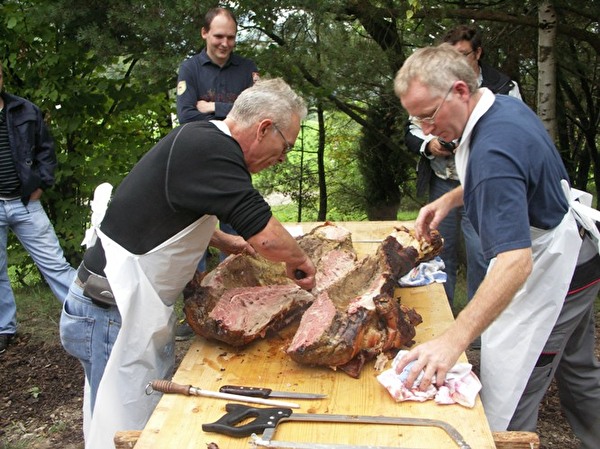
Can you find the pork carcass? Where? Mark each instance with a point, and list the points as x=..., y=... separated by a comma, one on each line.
x=351, y=316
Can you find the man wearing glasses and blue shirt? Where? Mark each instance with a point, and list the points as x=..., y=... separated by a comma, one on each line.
x=436, y=171
x=535, y=307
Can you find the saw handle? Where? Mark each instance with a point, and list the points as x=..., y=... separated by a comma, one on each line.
x=264, y=418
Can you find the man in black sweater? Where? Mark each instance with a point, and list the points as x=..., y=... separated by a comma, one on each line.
x=118, y=318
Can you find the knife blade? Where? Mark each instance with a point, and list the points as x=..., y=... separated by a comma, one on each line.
x=260, y=392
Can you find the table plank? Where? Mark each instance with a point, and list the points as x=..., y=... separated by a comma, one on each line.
x=177, y=420
x=365, y=234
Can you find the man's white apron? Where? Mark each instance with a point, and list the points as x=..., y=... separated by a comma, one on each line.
x=512, y=344
x=145, y=287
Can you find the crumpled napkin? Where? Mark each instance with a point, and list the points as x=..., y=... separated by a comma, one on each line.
x=461, y=385
x=424, y=274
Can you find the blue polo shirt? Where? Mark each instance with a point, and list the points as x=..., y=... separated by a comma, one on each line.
x=201, y=79
x=513, y=177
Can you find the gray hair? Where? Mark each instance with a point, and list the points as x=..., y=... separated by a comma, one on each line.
x=268, y=99
x=436, y=67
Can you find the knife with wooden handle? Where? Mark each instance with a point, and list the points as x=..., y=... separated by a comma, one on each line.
x=165, y=386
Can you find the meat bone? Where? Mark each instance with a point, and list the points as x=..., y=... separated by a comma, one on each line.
x=266, y=420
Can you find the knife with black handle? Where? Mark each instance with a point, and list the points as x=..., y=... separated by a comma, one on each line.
x=259, y=392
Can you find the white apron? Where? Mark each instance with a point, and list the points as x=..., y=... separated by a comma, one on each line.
x=511, y=345
x=145, y=287
x=516, y=338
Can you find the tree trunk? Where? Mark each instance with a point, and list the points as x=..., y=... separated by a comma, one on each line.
x=546, y=104
x=322, y=215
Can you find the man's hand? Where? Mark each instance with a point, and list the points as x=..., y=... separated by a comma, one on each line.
x=303, y=275
x=431, y=215
x=206, y=107
x=275, y=243
x=435, y=148
x=495, y=293
x=36, y=195
x=435, y=358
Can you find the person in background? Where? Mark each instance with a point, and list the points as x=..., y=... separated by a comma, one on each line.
x=118, y=318
x=535, y=306
x=436, y=171
x=27, y=163
x=208, y=84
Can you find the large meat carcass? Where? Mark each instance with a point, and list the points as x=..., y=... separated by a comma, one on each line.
x=351, y=316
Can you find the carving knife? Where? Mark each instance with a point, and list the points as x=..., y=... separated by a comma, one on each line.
x=259, y=392
x=165, y=386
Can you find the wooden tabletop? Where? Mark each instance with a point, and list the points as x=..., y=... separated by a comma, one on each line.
x=177, y=420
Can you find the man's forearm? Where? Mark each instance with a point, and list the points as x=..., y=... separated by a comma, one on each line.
x=275, y=243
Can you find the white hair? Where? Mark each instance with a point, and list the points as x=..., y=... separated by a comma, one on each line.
x=268, y=98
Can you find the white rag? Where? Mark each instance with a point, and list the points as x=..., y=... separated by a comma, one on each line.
x=461, y=385
x=424, y=274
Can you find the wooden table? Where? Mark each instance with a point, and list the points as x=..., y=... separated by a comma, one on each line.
x=177, y=420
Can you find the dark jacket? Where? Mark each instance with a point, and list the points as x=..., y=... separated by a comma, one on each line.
x=496, y=81
x=31, y=144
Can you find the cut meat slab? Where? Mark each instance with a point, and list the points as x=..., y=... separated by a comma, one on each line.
x=351, y=316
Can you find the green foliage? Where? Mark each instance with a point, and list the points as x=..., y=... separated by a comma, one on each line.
x=380, y=163
x=38, y=311
x=104, y=73
x=298, y=177
x=106, y=95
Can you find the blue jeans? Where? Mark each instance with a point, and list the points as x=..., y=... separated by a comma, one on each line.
x=222, y=256
x=450, y=229
x=89, y=332
x=35, y=232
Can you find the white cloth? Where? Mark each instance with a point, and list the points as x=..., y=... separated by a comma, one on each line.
x=98, y=205
x=586, y=216
x=460, y=387
x=424, y=274
x=516, y=338
x=145, y=288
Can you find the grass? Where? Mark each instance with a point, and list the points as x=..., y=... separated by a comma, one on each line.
x=38, y=312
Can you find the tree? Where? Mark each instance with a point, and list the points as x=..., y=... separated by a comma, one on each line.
x=547, y=68
x=104, y=71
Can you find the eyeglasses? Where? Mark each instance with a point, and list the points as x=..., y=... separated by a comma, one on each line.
x=430, y=120
x=288, y=146
x=467, y=53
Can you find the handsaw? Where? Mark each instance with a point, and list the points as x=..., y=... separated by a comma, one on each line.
x=266, y=420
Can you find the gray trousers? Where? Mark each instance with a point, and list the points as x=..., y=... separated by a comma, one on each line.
x=568, y=357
